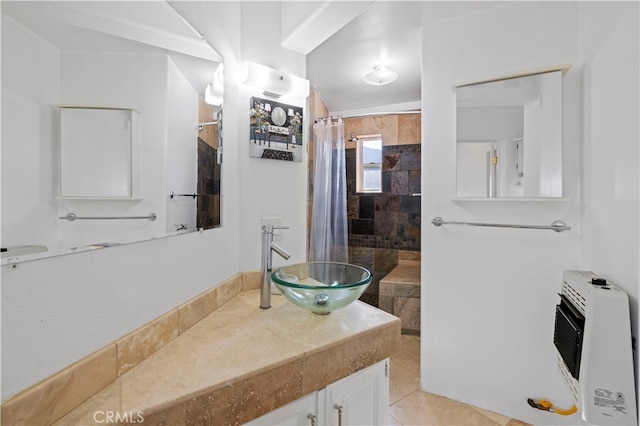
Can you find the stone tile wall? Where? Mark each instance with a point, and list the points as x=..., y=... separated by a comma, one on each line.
x=400, y=295
x=208, y=202
x=391, y=219
x=384, y=228
x=208, y=185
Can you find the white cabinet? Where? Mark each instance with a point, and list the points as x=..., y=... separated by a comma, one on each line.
x=359, y=399
x=300, y=412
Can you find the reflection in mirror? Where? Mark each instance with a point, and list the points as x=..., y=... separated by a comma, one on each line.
x=153, y=71
x=509, y=138
x=209, y=163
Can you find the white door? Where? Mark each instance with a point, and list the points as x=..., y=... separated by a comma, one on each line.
x=360, y=399
x=299, y=412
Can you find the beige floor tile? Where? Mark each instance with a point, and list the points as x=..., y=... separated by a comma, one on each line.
x=409, y=356
x=424, y=409
x=406, y=338
x=514, y=422
x=393, y=422
x=501, y=419
x=402, y=382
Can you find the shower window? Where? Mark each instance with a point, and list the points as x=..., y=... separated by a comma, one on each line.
x=369, y=163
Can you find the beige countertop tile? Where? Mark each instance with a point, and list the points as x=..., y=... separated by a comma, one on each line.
x=240, y=342
x=311, y=332
x=228, y=344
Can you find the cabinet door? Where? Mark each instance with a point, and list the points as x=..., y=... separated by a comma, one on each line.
x=296, y=413
x=363, y=398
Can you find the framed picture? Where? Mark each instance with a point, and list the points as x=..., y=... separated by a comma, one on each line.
x=275, y=130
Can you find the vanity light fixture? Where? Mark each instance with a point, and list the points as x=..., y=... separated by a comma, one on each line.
x=214, y=92
x=275, y=83
x=380, y=76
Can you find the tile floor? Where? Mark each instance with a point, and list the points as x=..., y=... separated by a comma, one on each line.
x=410, y=406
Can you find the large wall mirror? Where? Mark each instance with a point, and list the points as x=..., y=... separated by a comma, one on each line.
x=99, y=94
x=509, y=138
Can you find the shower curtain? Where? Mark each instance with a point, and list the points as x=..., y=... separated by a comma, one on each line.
x=328, y=240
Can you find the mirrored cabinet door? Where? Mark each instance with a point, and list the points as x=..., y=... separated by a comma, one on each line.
x=97, y=147
x=509, y=138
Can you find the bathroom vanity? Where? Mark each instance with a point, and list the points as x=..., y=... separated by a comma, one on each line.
x=359, y=399
x=241, y=364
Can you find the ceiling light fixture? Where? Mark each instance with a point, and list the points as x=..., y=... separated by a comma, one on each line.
x=214, y=93
x=380, y=75
x=275, y=83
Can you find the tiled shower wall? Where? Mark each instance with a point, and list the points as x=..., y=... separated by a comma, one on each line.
x=209, y=171
x=208, y=202
x=383, y=228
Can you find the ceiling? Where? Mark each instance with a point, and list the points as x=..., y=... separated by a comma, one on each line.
x=117, y=26
x=386, y=33
x=343, y=40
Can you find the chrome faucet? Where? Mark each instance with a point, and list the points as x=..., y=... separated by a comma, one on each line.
x=268, y=246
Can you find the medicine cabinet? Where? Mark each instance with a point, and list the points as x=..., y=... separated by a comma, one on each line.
x=98, y=153
x=509, y=138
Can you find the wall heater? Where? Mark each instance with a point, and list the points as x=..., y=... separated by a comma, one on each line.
x=593, y=337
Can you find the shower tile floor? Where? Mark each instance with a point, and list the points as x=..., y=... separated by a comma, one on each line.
x=410, y=406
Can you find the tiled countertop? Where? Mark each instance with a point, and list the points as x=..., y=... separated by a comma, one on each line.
x=241, y=362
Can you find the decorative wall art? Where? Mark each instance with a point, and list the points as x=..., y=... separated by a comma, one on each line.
x=275, y=130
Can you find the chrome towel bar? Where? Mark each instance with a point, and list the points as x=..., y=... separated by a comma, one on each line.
x=172, y=194
x=72, y=216
x=557, y=226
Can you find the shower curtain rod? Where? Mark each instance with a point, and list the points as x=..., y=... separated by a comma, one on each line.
x=371, y=114
x=330, y=117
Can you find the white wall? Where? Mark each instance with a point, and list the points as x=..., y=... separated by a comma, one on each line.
x=29, y=88
x=181, y=156
x=609, y=52
x=489, y=293
x=489, y=123
x=270, y=187
x=477, y=126
x=30, y=160
x=137, y=81
x=542, y=140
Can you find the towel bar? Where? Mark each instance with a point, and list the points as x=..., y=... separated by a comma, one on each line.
x=72, y=216
x=557, y=226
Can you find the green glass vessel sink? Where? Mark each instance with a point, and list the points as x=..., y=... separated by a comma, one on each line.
x=321, y=287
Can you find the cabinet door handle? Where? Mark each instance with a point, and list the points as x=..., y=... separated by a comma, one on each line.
x=313, y=419
x=339, y=408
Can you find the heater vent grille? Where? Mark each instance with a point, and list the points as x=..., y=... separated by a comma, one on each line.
x=568, y=379
x=574, y=296
x=568, y=335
